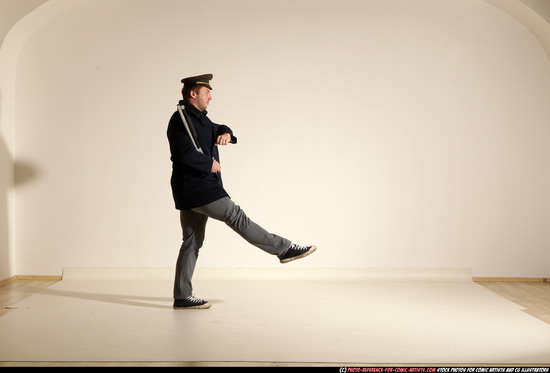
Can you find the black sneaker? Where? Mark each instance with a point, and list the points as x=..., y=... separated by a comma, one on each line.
x=296, y=252
x=191, y=303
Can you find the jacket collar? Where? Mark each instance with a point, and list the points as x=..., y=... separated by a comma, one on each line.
x=190, y=108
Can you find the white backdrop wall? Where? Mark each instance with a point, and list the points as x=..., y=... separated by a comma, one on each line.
x=392, y=134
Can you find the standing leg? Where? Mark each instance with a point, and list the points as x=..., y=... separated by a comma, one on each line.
x=193, y=227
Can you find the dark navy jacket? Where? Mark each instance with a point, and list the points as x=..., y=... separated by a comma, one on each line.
x=193, y=183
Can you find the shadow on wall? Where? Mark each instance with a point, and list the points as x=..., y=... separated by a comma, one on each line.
x=11, y=173
x=23, y=172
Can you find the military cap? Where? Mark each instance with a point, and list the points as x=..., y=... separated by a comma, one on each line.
x=203, y=80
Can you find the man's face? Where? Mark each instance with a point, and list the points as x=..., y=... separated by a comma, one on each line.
x=201, y=98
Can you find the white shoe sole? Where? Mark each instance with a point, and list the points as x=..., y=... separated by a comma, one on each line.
x=310, y=251
x=201, y=307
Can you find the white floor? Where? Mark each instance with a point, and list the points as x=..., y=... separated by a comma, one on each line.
x=266, y=316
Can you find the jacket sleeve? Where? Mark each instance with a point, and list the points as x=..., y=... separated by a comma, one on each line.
x=222, y=128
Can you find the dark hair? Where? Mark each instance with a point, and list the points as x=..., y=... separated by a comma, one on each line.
x=186, y=90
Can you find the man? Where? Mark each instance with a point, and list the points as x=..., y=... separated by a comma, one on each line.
x=198, y=190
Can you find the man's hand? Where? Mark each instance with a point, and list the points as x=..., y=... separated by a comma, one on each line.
x=223, y=139
x=216, y=166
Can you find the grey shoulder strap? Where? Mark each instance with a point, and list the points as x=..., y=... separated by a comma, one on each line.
x=191, y=133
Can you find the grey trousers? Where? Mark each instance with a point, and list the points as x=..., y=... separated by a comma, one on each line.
x=193, y=224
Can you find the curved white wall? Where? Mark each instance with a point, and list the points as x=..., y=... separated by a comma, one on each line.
x=534, y=14
x=12, y=12
x=390, y=133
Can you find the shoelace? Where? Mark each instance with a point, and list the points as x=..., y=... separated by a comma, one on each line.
x=298, y=247
x=193, y=299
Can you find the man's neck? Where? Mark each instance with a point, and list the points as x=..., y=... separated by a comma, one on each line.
x=189, y=105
